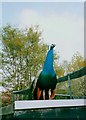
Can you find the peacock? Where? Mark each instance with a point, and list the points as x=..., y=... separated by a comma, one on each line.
x=46, y=82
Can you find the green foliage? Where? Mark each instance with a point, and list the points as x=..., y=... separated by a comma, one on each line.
x=82, y=86
x=59, y=70
x=76, y=63
x=77, y=85
x=23, y=55
x=6, y=98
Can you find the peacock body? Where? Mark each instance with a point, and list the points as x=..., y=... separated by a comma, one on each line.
x=47, y=79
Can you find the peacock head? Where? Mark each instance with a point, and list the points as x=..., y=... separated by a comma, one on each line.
x=52, y=46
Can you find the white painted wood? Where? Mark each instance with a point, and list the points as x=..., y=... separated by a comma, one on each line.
x=35, y=104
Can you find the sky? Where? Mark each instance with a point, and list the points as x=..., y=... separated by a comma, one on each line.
x=62, y=23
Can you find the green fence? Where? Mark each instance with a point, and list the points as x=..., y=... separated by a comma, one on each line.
x=76, y=74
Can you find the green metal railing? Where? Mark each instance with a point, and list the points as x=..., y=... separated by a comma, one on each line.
x=76, y=74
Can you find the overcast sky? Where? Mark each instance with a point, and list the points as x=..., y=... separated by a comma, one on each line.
x=62, y=23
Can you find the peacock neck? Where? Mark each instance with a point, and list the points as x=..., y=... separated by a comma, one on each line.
x=48, y=64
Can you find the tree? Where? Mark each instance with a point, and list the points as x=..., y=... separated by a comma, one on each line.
x=23, y=55
x=76, y=63
x=59, y=70
x=78, y=85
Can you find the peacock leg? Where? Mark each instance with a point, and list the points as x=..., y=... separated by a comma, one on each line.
x=43, y=94
x=39, y=93
x=52, y=94
x=49, y=93
x=46, y=94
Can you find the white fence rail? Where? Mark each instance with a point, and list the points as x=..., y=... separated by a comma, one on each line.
x=40, y=104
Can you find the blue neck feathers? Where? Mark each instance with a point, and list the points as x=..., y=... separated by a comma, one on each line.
x=48, y=64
